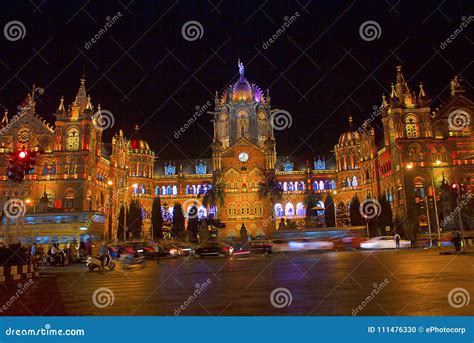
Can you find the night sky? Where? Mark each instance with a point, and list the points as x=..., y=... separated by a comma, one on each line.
x=320, y=70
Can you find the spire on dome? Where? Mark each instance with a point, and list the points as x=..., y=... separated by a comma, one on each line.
x=401, y=85
x=350, y=122
x=89, y=104
x=422, y=92
x=5, y=118
x=393, y=93
x=81, y=97
x=61, y=105
x=384, y=101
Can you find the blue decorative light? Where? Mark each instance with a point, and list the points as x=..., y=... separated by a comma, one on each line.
x=170, y=169
x=201, y=168
x=288, y=166
x=319, y=164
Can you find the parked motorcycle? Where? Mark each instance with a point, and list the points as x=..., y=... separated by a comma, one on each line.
x=58, y=259
x=95, y=263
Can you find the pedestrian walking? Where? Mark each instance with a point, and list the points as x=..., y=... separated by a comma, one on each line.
x=397, y=240
x=457, y=241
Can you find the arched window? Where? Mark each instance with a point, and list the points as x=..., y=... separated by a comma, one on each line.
x=412, y=126
x=52, y=171
x=315, y=185
x=355, y=183
x=169, y=190
x=321, y=185
x=326, y=185
x=289, y=209
x=300, y=211
x=285, y=187
x=290, y=186
x=45, y=169
x=279, y=210
x=242, y=123
x=175, y=190
x=69, y=200
x=300, y=186
x=333, y=184
x=348, y=182
x=419, y=185
x=72, y=139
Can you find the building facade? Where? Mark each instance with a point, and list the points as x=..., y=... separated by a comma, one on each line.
x=421, y=147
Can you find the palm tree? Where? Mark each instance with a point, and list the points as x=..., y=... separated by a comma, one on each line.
x=215, y=194
x=270, y=188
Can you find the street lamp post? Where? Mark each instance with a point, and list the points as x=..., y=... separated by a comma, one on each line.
x=109, y=233
x=335, y=209
x=429, y=221
x=438, y=162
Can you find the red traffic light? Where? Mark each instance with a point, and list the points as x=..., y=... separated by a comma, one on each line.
x=22, y=154
x=454, y=185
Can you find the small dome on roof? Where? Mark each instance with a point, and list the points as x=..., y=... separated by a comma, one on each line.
x=349, y=136
x=137, y=143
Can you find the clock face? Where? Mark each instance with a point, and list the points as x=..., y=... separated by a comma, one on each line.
x=243, y=157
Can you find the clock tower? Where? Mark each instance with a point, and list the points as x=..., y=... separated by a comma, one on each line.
x=243, y=155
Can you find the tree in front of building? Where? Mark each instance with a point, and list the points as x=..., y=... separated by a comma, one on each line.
x=193, y=223
x=215, y=194
x=329, y=215
x=354, y=212
x=157, y=219
x=385, y=217
x=135, y=219
x=177, y=228
x=311, y=201
x=121, y=223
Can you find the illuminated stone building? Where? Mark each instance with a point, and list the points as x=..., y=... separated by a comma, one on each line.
x=420, y=146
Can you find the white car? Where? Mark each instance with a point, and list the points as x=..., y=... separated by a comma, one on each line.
x=384, y=242
x=305, y=244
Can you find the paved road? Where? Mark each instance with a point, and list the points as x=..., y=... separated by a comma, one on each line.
x=397, y=283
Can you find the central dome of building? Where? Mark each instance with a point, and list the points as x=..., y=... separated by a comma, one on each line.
x=243, y=90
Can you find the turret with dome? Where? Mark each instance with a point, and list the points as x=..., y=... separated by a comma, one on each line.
x=242, y=111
